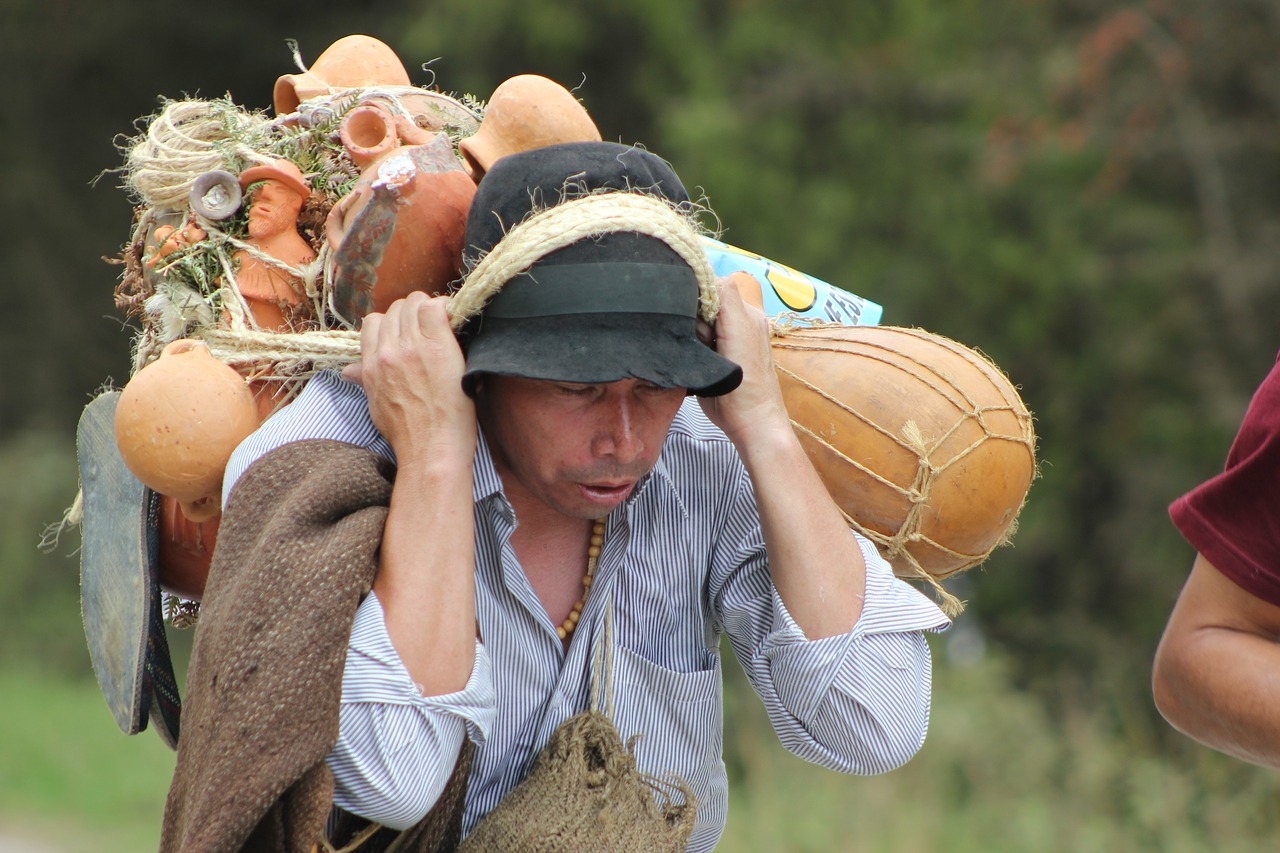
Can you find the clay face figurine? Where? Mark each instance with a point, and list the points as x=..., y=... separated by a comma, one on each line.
x=272, y=292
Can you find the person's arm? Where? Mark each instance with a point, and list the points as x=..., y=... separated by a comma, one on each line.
x=411, y=368
x=1216, y=677
x=814, y=562
x=396, y=748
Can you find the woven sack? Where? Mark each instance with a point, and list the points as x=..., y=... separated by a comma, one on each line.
x=923, y=443
x=586, y=795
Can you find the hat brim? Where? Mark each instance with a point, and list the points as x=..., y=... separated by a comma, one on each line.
x=589, y=348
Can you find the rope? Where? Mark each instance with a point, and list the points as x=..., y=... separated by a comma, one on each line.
x=602, y=665
x=187, y=139
x=591, y=216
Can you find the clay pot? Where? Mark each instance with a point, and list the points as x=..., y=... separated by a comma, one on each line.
x=525, y=112
x=899, y=420
x=177, y=422
x=400, y=229
x=186, y=550
x=369, y=133
x=351, y=62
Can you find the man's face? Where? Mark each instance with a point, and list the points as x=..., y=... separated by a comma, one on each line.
x=274, y=208
x=578, y=449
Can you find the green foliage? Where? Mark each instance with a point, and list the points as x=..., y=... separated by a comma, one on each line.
x=68, y=777
x=998, y=772
x=39, y=592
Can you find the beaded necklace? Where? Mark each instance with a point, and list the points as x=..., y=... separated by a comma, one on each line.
x=593, y=555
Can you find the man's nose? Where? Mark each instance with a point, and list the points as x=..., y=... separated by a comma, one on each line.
x=616, y=437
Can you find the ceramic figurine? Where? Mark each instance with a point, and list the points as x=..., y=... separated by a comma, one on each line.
x=272, y=293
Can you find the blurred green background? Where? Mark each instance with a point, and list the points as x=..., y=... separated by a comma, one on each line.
x=1084, y=190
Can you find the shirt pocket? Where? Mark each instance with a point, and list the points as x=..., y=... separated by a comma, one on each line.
x=679, y=719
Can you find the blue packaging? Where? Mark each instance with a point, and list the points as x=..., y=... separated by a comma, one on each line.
x=789, y=291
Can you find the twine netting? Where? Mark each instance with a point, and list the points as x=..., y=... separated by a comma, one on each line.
x=588, y=217
x=916, y=495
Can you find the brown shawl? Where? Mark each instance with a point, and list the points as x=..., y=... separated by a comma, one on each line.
x=297, y=551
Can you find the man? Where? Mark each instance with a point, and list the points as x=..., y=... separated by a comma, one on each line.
x=1215, y=670
x=555, y=475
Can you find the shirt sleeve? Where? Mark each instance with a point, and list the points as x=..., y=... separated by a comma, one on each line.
x=327, y=407
x=857, y=702
x=1233, y=519
x=397, y=748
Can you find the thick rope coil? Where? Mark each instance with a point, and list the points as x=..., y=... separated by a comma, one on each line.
x=578, y=219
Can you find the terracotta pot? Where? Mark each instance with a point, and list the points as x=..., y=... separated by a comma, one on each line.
x=351, y=62
x=368, y=133
x=177, y=422
x=899, y=419
x=400, y=229
x=525, y=112
x=186, y=546
x=186, y=551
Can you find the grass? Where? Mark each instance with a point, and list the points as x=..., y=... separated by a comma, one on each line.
x=68, y=777
x=999, y=773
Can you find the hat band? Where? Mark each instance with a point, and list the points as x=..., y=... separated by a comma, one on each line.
x=599, y=288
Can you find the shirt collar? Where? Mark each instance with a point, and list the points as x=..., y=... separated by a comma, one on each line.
x=486, y=482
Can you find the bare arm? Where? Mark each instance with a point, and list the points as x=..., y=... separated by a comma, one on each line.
x=1217, y=670
x=411, y=369
x=814, y=560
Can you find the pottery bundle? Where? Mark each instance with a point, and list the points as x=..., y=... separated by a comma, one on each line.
x=261, y=242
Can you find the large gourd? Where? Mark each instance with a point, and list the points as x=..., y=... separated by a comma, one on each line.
x=923, y=443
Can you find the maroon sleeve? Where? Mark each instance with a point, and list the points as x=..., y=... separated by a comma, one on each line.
x=1233, y=519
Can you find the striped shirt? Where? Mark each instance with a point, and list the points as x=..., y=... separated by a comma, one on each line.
x=683, y=563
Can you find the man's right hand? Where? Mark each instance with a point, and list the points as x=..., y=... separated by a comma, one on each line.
x=411, y=370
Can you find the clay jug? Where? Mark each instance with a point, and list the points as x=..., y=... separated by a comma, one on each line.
x=368, y=133
x=177, y=422
x=351, y=62
x=525, y=112
x=400, y=229
x=922, y=442
x=186, y=550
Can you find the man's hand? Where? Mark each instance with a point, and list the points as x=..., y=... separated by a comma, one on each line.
x=411, y=370
x=814, y=561
x=755, y=407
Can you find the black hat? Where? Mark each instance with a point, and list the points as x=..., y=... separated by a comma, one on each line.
x=598, y=275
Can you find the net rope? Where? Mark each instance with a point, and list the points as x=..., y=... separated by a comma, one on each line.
x=916, y=495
